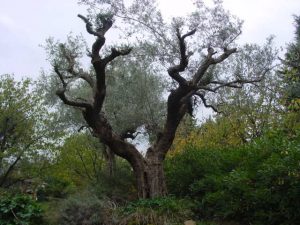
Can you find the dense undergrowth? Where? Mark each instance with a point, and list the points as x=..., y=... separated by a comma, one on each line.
x=16, y=209
x=258, y=183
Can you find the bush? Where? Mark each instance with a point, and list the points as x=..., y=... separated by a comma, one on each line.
x=257, y=183
x=120, y=187
x=87, y=209
x=19, y=209
x=194, y=164
x=156, y=211
x=54, y=188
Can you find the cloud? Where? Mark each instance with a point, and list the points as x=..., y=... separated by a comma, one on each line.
x=7, y=22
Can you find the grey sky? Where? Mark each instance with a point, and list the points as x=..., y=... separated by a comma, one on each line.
x=24, y=25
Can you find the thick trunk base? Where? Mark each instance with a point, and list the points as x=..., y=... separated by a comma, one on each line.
x=151, y=181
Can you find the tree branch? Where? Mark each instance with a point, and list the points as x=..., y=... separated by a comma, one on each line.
x=209, y=60
x=17, y=159
x=61, y=92
x=99, y=33
x=89, y=25
x=175, y=70
x=205, y=102
x=115, y=53
x=225, y=55
x=129, y=133
x=238, y=83
x=100, y=67
x=10, y=169
x=71, y=68
x=59, y=74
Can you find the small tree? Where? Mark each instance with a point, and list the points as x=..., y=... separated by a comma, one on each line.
x=23, y=127
x=192, y=49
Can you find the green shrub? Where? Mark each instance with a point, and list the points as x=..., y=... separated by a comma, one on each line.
x=19, y=209
x=258, y=183
x=156, y=211
x=194, y=164
x=120, y=187
x=85, y=208
x=54, y=188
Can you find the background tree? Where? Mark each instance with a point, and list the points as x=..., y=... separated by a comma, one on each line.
x=292, y=68
x=23, y=128
x=245, y=113
x=291, y=91
x=190, y=48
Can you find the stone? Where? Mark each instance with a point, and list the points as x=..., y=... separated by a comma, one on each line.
x=190, y=222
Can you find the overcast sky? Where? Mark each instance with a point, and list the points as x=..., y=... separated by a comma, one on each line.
x=25, y=24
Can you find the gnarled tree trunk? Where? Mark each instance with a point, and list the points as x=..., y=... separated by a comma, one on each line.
x=110, y=160
x=150, y=179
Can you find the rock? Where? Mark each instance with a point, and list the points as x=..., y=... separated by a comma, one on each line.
x=190, y=222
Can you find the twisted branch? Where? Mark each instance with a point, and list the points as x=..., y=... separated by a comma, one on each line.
x=175, y=70
x=204, y=100
x=61, y=92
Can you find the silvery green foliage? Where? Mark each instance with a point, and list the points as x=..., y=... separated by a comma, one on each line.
x=251, y=63
x=75, y=47
x=155, y=44
x=134, y=97
x=216, y=28
x=143, y=23
x=257, y=105
x=134, y=94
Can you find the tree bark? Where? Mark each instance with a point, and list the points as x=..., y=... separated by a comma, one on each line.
x=110, y=160
x=150, y=179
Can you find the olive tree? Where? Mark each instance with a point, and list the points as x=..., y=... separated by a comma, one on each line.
x=188, y=50
x=128, y=82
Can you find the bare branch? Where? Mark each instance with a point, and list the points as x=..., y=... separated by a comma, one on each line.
x=16, y=160
x=192, y=32
x=89, y=25
x=233, y=38
x=115, y=53
x=82, y=75
x=205, y=88
x=233, y=84
x=225, y=55
x=60, y=76
x=209, y=60
x=238, y=83
x=86, y=77
x=99, y=33
x=10, y=169
x=61, y=92
x=71, y=68
x=129, y=133
x=175, y=70
x=205, y=102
